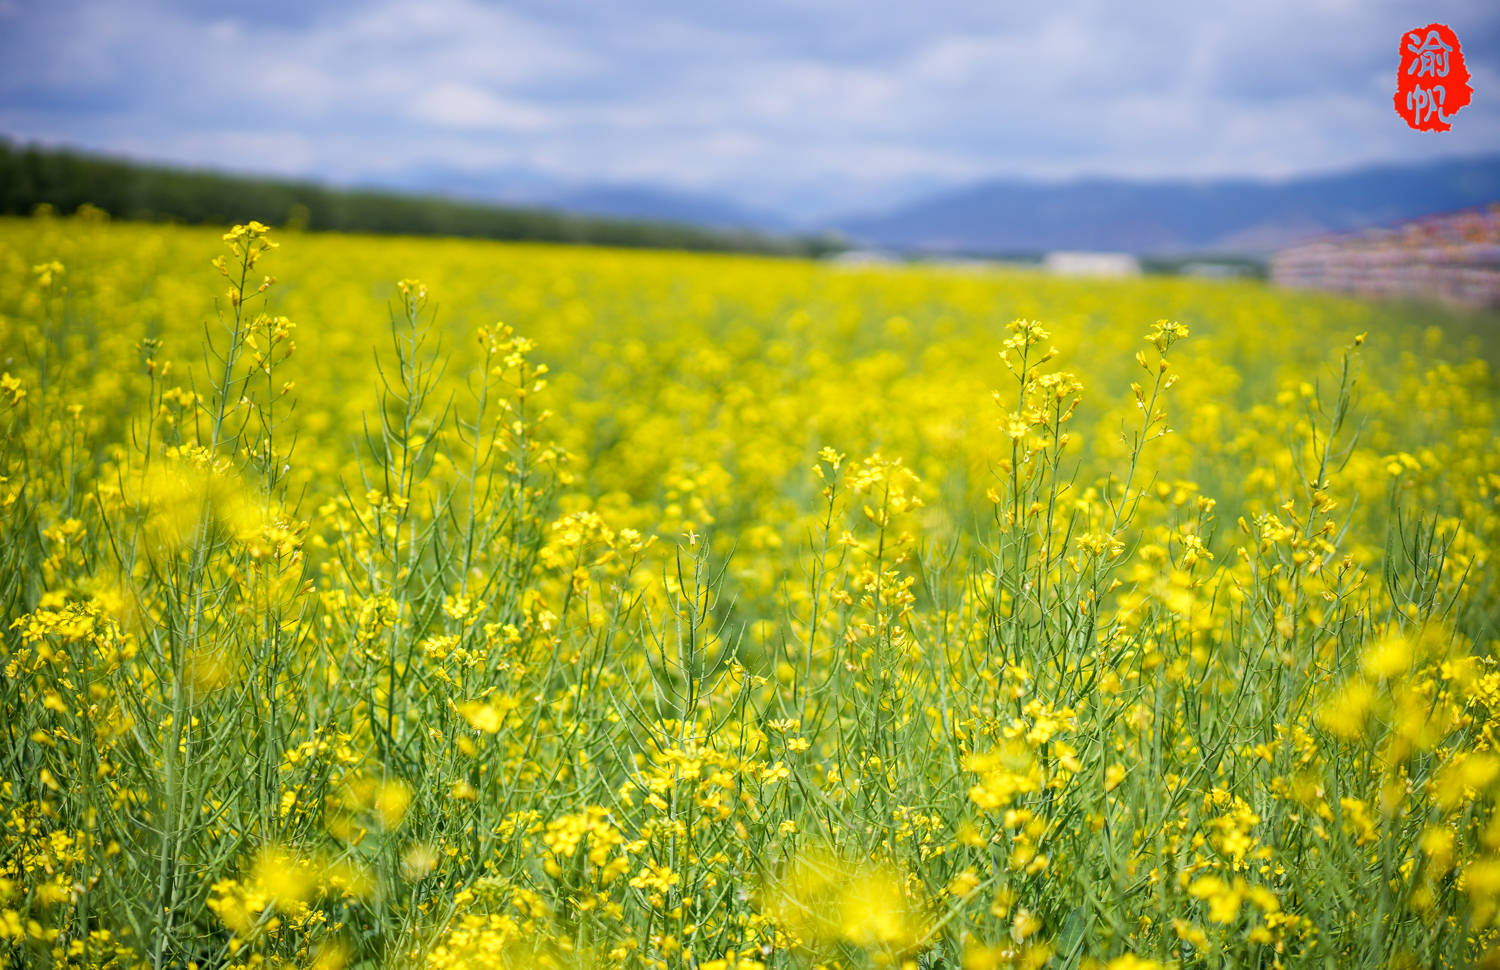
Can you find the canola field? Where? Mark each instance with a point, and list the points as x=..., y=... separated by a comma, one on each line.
x=376, y=602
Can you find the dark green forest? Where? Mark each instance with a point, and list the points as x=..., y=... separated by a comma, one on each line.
x=32, y=176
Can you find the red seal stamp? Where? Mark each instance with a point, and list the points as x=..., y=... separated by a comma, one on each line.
x=1432, y=82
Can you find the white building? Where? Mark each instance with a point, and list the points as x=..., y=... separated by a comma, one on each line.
x=1092, y=264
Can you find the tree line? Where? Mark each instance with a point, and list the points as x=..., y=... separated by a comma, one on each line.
x=31, y=176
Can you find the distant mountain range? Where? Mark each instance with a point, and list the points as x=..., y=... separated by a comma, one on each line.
x=1176, y=216
x=1161, y=218
x=618, y=200
x=623, y=201
x=1223, y=215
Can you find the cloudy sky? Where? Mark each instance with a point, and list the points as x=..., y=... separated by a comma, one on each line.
x=802, y=105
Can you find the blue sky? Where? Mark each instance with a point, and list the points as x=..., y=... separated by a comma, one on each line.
x=805, y=106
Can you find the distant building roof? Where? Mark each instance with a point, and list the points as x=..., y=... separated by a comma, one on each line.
x=1066, y=263
x=1453, y=257
x=863, y=257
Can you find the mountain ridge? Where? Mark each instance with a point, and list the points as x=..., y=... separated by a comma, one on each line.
x=1175, y=215
x=1005, y=215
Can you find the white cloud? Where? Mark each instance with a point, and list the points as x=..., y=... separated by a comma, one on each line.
x=800, y=104
x=469, y=106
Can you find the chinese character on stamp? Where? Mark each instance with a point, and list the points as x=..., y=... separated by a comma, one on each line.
x=1432, y=83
